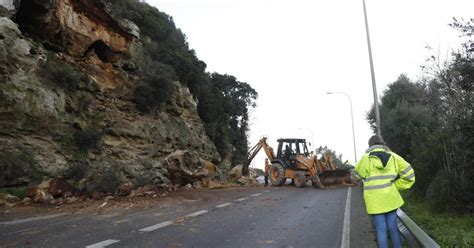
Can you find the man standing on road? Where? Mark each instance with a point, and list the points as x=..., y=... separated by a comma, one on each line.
x=267, y=168
x=383, y=174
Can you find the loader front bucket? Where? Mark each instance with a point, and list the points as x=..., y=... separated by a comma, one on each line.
x=336, y=178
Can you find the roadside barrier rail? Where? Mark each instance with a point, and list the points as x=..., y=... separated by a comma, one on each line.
x=413, y=234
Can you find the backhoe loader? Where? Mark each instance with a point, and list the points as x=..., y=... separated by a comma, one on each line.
x=293, y=161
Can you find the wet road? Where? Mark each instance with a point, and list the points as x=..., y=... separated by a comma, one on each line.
x=239, y=217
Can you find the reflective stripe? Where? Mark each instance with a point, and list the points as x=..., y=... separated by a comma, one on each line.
x=409, y=177
x=357, y=174
x=378, y=186
x=405, y=171
x=380, y=177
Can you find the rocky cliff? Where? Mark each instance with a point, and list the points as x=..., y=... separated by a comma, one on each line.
x=66, y=104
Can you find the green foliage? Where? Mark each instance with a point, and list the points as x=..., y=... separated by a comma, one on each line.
x=431, y=124
x=19, y=192
x=63, y=75
x=225, y=111
x=14, y=165
x=223, y=101
x=87, y=139
x=337, y=159
x=448, y=229
x=153, y=91
x=106, y=180
x=77, y=171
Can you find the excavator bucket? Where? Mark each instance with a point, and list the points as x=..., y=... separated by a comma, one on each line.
x=334, y=179
x=331, y=177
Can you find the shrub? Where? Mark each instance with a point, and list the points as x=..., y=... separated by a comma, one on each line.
x=104, y=180
x=14, y=165
x=63, y=75
x=77, y=171
x=19, y=192
x=153, y=91
x=87, y=139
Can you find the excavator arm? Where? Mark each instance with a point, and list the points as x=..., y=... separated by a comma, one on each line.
x=262, y=143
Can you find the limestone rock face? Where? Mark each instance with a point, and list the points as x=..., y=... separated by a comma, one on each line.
x=73, y=26
x=8, y=7
x=92, y=134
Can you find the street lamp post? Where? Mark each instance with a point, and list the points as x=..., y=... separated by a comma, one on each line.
x=372, y=73
x=352, y=121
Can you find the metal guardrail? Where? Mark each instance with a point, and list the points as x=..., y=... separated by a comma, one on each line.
x=412, y=233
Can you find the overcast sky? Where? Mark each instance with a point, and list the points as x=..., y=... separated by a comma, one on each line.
x=293, y=52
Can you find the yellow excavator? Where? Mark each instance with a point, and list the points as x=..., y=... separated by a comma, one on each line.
x=293, y=161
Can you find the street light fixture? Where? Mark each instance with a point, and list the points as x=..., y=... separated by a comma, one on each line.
x=352, y=119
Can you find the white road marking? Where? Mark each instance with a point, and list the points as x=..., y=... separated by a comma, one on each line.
x=103, y=243
x=157, y=226
x=32, y=219
x=122, y=221
x=241, y=199
x=266, y=191
x=224, y=205
x=255, y=195
x=197, y=213
x=346, y=230
x=42, y=227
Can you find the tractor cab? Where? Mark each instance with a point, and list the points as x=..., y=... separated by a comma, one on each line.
x=289, y=148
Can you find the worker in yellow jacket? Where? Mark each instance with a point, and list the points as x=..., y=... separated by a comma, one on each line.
x=383, y=174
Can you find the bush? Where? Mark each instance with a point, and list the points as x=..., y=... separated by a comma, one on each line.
x=77, y=171
x=153, y=91
x=105, y=180
x=87, y=139
x=63, y=75
x=14, y=165
x=19, y=192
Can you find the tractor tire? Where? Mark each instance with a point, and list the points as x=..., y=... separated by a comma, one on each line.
x=300, y=179
x=277, y=174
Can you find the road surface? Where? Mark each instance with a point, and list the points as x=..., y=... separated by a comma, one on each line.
x=233, y=217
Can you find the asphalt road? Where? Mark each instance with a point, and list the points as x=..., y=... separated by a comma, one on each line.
x=239, y=217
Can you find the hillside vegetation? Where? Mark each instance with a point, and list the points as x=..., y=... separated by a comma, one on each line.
x=223, y=101
x=430, y=122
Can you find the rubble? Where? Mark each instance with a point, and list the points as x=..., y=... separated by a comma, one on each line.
x=7, y=199
x=38, y=195
x=214, y=185
x=58, y=187
x=124, y=189
x=97, y=195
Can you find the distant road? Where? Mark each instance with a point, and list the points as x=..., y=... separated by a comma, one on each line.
x=237, y=217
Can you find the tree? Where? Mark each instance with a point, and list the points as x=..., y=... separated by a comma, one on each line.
x=431, y=124
x=337, y=159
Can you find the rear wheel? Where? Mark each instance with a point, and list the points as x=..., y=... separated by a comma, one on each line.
x=300, y=179
x=277, y=174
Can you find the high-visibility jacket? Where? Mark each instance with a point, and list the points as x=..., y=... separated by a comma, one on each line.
x=383, y=174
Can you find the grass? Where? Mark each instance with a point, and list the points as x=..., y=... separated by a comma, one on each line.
x=448, y=228
x=19, y=192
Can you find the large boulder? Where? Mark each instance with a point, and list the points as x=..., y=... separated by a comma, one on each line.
x=235, y=173
x=184, y=167
x=38, y=195
x=58, y=186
